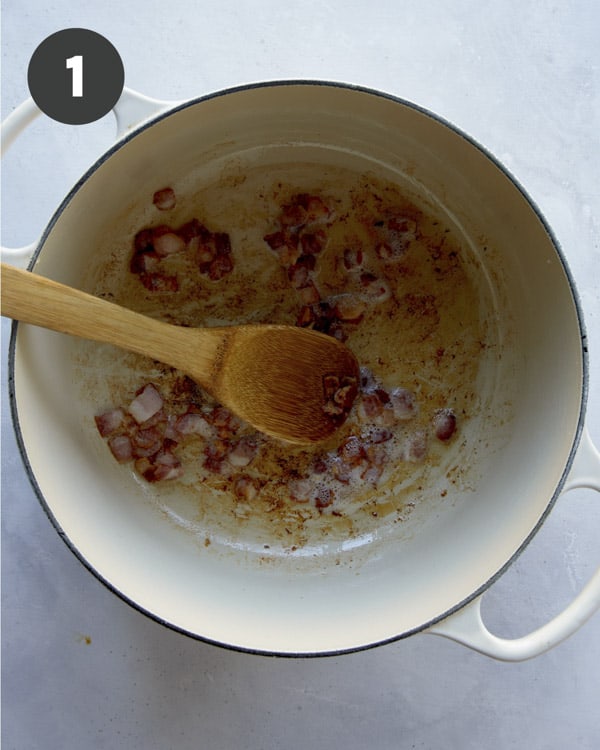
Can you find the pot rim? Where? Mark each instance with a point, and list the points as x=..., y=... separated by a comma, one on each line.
x=172, y=110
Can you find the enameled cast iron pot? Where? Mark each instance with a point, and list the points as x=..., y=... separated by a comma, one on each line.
x=528, y=447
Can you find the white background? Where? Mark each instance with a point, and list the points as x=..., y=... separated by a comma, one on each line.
x=81, y=669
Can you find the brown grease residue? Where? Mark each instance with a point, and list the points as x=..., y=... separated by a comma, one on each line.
x=427, y=334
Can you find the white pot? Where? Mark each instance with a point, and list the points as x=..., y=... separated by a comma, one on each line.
x=527, y=446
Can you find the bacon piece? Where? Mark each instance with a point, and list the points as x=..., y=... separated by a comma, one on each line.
x=353, y=259
x=146, y=442
x=313, y=243
x=192, y=423
x=121, y=448
x=146, y=404
x=375, y=288
x=164, y=199
x=243, y=452
x=110, y=421
x=245, y=488
x=300, y=490
x=415, y=447
x=168, y=243
x=444, y=424
x=404, y=403
x=349, y=309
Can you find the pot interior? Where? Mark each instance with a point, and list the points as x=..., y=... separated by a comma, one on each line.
x=236, y=578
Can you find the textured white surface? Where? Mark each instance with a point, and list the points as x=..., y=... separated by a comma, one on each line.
x=83, y=670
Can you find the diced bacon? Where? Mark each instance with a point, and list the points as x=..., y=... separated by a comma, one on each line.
x=163, y=467
x=309, y=294
x=370, y=407
x=145, y=262
x=275, y=240
x=215, y=455
x=352, y=451
x=164, y=199
x=444, y=424
x=315, y=207
x=121, y=448
x=404, y=403
x=313, y=243
x=168, y=243
x=299, y=275
x=349, y=308
x=324, y=497
x=220, y=267
x=110, y=421
x=375, y=288
x=415, y=447
x=243, y=452
x=191, y=230
x=300, y=490
x=293, y=216
x=146, y=404
x=192, y=423
x=146, y=442
x=353, y=259
x=245, y=488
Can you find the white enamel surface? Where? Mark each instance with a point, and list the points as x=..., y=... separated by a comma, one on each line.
x=447, y=551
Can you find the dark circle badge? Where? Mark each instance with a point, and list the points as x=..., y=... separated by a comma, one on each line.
x=75, y=76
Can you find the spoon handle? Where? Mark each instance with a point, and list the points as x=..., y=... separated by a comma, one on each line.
x=34, y=299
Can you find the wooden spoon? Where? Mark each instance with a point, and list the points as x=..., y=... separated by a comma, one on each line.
x=291, y=383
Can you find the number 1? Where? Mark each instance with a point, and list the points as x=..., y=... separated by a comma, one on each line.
x=76, y=65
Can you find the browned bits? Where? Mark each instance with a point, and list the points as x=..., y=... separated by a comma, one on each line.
x=339, y=394
x=210, y=252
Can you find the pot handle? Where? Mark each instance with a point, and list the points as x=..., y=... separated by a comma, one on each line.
x=131, y=109
x=11, y=128
x=467, y=627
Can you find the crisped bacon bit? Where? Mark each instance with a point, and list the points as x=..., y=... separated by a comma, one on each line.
x=312, y=244
x=339, y=395
x=215, y=455
x=415, y=447
x=146, y=404
x=375, y=288
x=245, y=488
x=192, y=423
x=370, y=407
x=275, y=240
x=314, y=206
x=300, y=490
x=293, y=216
x=243, y=452
x=214, y=256
x=164, y=199
x=162, y=467
x=324, y=497
x=121, y=448
x=444, y=424
x=168, y=243
x=110, y=421
x=352, y=451
x=226, y=424
x=404, y=403
x=146, y=442
x=309, y=294
x=349, y=309
x=353, y=259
